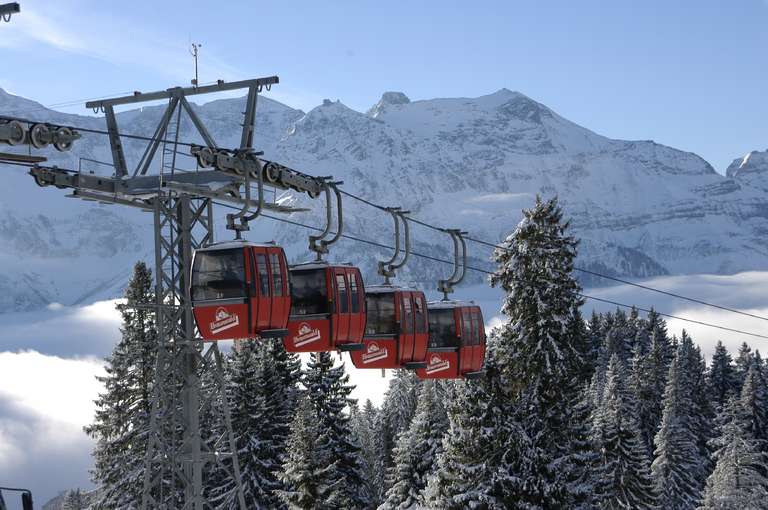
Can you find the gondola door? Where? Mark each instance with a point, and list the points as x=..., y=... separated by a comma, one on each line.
x=479, y=348
x=420, y=331
x=356, y=306
x=261, y=308
x=466, y=350
x=281, y=297
x=342, y=306
x=407, y=339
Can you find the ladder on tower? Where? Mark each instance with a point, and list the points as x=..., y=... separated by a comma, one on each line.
x=170, y=146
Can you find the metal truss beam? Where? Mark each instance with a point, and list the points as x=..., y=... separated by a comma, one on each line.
x=220, y=86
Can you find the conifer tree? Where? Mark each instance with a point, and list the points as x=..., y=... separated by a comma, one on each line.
x=721, y=377
x=538, y=360
x=400, y=400
x=260, y=423
x=677, y=467
x=121, y=422
x=397, y=411
x=328, y=392
x=75, y=500
x=744, y=360
x=648, y=380
x=754, y=406
x=535, y=271
x=579, y=337
x=622, y=467
x=417, y=450
x=739, y=478
x=595, y=333
x=702, y=412
x=302, y=474
x=479, y=445
x=366, y=425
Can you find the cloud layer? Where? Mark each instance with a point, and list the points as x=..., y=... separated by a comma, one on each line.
x=44, y=403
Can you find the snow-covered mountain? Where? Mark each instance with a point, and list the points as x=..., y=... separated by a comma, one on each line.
x=640, y=208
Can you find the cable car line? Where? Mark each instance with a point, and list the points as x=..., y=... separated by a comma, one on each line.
x=580, y=269
x=639, y=285
x=436, y=228
x=485, y=271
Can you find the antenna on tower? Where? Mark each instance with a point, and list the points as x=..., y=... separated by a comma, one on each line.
x=194, y=52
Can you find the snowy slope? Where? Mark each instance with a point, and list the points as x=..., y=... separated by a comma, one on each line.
x=641, y=209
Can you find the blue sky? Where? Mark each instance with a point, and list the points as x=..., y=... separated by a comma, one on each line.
x=690, y=74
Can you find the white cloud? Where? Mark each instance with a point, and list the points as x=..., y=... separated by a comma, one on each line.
x=89, y=330
x=44, y=403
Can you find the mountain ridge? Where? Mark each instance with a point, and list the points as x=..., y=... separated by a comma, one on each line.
x=641, y=208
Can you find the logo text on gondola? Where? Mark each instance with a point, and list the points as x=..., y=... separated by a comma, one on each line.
x=224, y=320
x=374, y=353
x=306, y=335
x=437, y=364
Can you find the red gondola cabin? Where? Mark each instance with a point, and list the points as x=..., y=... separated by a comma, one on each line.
x=456, y=341
x=396, y=331
x=240, y=290
x=327, y=308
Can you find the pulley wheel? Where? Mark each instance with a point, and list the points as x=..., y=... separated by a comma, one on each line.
x=17, y=132
x=205, y=157
x=39, y=136
x=271, y=173
x=313, y=194
x=62, y=139
x=40, y=182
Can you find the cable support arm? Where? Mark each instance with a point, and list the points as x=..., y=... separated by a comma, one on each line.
x=459, y=268
x=318, y=243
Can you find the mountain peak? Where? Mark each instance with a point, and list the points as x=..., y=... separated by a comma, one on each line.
x=388, y=99
x=394, y=98
x=752, y=163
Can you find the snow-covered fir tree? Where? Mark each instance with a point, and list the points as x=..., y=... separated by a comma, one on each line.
x=739, y=478
x=722, y=380
x=595, y=335
x=538, y=360
x=702, y=413
x=260, y=421
x=366, y=424
x=302, y=473
x=396, y=414
x=479, y=442
x=535, y=266
x=417, y=450
x=647, y=382
x=677, y=467
x=343, y=484
x=622, y=333
x=516, y=442
x=579, y=334
x=75, y=499
x=754, y=405
x=744, y=360
x=121, y=422
x=622, y=467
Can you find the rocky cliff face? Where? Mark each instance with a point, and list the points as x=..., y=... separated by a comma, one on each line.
x=640, y=208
